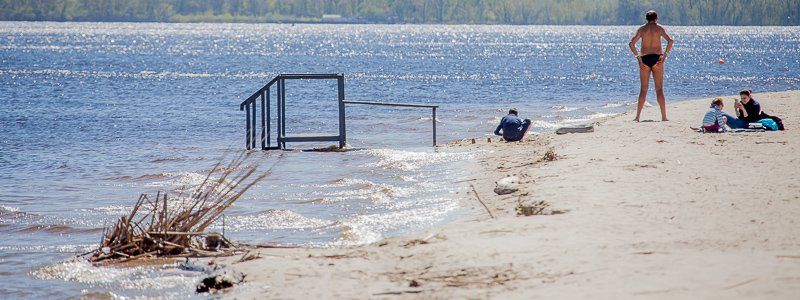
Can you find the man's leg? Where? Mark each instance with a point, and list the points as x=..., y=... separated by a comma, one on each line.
x=658, y=80
x=644, y=79
x=526, y=124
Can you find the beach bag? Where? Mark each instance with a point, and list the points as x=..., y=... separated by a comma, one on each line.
x=769, y=124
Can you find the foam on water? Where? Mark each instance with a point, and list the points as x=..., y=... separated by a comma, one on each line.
x=410, y=160
x=275, y=219
x=390, y=193
x=64, y=248
x=180, y=179
x=347, y=189
x=150, y=280
x=4, y=209
x=564, y=108
x=617, y=104
x=370, y=228
x=568, y=121
x=113, y=210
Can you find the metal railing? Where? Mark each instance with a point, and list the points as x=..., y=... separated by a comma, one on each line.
x=250, y=105
x=432, y=107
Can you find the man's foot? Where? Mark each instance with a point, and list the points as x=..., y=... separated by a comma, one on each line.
x=664, y=120
x=636, y=120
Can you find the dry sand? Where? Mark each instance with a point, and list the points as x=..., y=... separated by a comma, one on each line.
x=650, y=210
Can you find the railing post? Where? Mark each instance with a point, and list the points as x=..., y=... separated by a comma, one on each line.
x=278, y=115
x=342, y=127
x=247, y=108
x=434, y=125
x=283, y=111
x=269, y=116
x=253, y=132
x=263, y=121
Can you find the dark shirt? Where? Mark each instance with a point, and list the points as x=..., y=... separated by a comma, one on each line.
x=753, y=109
x=512, y=128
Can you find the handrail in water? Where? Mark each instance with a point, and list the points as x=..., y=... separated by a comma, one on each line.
x=432, y=107
x=251, y=103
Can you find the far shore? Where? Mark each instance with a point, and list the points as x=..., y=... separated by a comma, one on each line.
x=364, y=22
x=631, y=210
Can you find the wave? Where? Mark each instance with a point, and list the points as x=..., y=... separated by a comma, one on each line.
x=166, y=159
x=564, y=108
x=348, y=189
x=114, y=210
x=141, y=278
x=58, y=229
x=12, y=220
x=274, y=219
x=617, y=104
x=622, y=103
x=425, y=119
x=568, y=121
x=5, y=209
x=72, y=249
x=370, y=228
x=409, y=160
x=177, y=179
x=152, y=176
x=13, y=213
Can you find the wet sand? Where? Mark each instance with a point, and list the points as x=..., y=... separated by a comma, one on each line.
x=645, y=210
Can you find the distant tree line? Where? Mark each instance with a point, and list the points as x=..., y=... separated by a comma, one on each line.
x=599, y=12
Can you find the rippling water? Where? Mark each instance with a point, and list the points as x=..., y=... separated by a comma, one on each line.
x=94, y=114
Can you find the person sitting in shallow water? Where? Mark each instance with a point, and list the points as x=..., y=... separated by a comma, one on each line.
x=513, y=128
x=715, y=120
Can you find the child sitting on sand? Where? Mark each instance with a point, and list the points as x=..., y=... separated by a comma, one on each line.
x=714, y=120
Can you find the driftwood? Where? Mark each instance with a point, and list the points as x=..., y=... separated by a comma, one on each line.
x=576, y=129
x=176, y=225
x=481, y=201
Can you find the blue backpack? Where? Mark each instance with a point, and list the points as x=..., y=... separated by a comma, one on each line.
x=769, y=124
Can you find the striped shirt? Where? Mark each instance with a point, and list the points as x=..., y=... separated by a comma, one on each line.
x=713, y=116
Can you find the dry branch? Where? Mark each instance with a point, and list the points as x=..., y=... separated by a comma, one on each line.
x=167, y=226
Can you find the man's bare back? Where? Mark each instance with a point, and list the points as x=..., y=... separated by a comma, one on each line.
x=651, y=61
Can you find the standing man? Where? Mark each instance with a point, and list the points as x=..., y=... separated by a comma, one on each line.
x=651, y=61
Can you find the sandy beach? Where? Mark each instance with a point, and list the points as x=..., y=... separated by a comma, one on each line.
x=635, y=210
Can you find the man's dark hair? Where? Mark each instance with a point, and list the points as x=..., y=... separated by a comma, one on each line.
x=746, y=92
x=513, y=111
x=651, y=16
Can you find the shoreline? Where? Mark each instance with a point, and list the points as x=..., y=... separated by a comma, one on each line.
x=639, y=210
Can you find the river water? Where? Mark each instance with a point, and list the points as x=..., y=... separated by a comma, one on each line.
x=93, y=114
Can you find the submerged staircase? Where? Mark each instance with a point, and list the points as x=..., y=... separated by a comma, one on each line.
x=251, y=104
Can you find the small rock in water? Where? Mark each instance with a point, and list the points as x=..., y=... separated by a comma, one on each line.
x=507, y=185
x=215, y=241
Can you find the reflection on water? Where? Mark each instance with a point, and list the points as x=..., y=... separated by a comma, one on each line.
x=138, y=280
x=95, y=113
